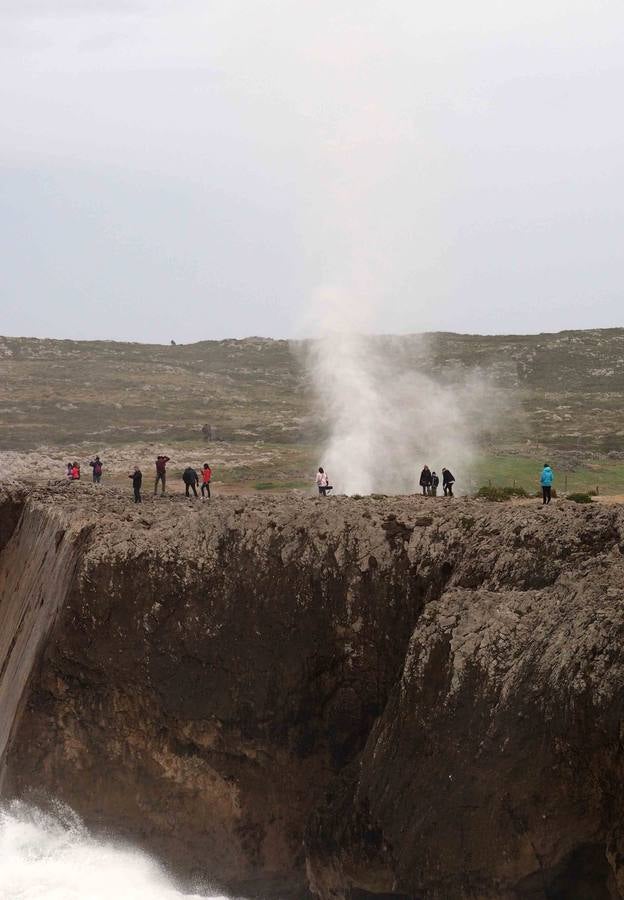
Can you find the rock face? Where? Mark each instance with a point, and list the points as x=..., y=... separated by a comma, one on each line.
x=355, y=698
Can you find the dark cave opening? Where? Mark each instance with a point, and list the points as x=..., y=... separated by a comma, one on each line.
x=585, y=874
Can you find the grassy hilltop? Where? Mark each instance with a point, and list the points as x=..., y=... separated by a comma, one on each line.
x=560, y=394
x=66, y=391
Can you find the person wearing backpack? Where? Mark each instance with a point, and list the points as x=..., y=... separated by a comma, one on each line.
x=435, y=481
x=448, y=480
x=96, y=465
x=190, y=479
x=206, y=476
x=546, y=481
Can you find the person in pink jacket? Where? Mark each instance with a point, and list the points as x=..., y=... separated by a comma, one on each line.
x=322, y=482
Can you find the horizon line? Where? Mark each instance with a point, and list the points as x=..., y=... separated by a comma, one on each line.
x=299, y=340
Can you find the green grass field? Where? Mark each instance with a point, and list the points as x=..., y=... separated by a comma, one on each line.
x=605, y=476
x=294, y=468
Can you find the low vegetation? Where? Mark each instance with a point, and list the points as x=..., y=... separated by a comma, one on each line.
x=247, y=405
x=563, y=392
x=499, y=494
x=600, y=475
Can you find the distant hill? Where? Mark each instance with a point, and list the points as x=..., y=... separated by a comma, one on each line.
x=564, y=391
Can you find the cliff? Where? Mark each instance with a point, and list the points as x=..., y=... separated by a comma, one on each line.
x=391, y=698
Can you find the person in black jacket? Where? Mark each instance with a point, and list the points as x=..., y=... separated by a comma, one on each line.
x=448, y=480
x=137, y=481
x=435, y=481
x=190, y=479
x=425, y=480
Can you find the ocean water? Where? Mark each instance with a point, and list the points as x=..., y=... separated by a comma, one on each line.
x=52, y=856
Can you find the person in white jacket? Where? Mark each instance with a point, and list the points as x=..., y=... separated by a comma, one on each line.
x=322, y=482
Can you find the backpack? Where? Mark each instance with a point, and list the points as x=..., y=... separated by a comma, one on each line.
x=97, y=468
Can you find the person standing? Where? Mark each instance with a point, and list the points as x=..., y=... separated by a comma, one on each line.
x=137, y=481
x=206, y=476
x=448, y=480
x=190, y=479
x=161, y=472
x=435, y=481
x=96, y=465
x=69, y=473
x=425, y=480
x=322, y=482
x=75, y=472
x=546, y=481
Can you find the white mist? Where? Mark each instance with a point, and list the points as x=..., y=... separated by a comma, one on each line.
x=46, y=857
x=383, y=417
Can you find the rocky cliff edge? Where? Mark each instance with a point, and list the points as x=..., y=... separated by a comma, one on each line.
x=394, y=697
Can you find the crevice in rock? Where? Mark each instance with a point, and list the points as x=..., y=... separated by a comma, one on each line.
x=585, y=874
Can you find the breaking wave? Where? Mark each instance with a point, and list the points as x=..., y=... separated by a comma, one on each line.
x=52, y=856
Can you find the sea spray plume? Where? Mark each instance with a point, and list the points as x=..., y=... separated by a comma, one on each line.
x=349, y=400
x=52, y=856
x=384, y=418
x=345, y=388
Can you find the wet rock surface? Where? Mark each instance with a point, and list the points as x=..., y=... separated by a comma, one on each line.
x=395, y=697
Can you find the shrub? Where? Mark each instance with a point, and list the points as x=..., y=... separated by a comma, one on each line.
x=499, y=494
x=580, y=498
x=515, y=491
x=493, y=494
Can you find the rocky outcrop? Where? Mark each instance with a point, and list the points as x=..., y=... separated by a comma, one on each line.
x=391, y=698
x=496, y=768
x=37, y=556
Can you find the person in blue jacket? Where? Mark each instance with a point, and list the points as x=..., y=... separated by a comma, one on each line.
x=546, y=481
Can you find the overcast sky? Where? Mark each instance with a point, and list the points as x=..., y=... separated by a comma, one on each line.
x=192, y=169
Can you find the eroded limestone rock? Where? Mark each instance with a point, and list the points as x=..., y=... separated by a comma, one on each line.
x=394, y=697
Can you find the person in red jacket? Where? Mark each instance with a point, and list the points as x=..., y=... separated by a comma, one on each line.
x=75, y=472
x=161, y=472
x=206, y=476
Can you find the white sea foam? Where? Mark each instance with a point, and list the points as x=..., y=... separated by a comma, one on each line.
x=54, y=857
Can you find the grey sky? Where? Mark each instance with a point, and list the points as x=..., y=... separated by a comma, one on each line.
x=190, y=170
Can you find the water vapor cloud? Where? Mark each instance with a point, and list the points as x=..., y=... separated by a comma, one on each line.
x=384, y=415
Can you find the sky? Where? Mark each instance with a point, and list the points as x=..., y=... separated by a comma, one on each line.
x=187, y=170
